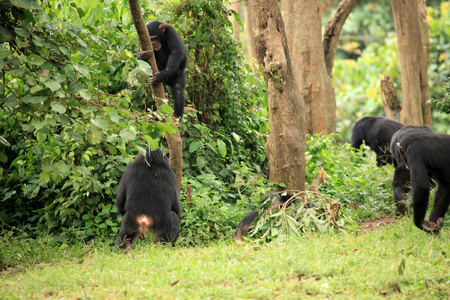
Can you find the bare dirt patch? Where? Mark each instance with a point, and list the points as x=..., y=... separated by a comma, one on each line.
x=374, y=225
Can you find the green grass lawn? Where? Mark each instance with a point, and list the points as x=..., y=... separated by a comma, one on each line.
x=398, y=261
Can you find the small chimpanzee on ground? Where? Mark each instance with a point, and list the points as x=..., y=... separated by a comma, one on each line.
x=277, y=198
x=148, y=200
x=376, y=132
x=427, y=153
x=401, y=184
x=171, y=58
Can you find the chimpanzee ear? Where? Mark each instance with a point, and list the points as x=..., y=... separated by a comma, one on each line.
x=401, y=148
x=162, y=27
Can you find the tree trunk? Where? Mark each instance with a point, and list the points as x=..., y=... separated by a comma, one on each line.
x=333, y=29
x=426, y=45
x=236, y=6
x=304, y=34
x=285, y=147
x=414, y=77
x=249, y=34
x=392, y=107
x=174, y=141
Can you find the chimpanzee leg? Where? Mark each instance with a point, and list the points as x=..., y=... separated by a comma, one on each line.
x=177, y=89
x=128, y=233
x=441, y=203
x=167, y=230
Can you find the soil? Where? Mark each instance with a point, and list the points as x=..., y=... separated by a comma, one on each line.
x=374, y=225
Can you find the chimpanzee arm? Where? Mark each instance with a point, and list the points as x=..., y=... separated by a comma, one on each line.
x=121, y=196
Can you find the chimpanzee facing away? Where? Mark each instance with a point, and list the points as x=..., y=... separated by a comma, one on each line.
x=376, y=132
x=171, y=58
x=278, y=198
x=401, y=183
x=148, y=200
x=427, y=154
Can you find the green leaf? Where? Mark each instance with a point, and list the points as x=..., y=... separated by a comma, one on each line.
x=58, y=107
x=103, y=124
x=28, y=4
x=222, y=148
x=194, y=146
x=85, y=94
x=36, y=60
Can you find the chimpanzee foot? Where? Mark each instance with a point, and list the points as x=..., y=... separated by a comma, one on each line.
x=402, y=208
x=432, y=227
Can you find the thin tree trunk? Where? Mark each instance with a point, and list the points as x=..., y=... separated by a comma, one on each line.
x=414, y=79
x=249, y=34
x=285, y=147
x=174, y=141
x=236, y=6
x=304, y=34
x=426, y=45
x=333, y=29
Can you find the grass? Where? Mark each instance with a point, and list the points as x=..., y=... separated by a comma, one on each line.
x=396, y=262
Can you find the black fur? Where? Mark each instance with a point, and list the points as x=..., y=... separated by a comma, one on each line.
x=427, y=154
x=376, y=132
x=401, y=183
x=148, y=188
x=171, y=60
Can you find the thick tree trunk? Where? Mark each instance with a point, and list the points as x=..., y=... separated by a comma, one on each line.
x=174, y=141
x=304, y=34
x=285, y=147
x=414, y=77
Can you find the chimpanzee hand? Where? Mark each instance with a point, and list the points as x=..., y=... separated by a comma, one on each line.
x=161, y=76
x=145, y=55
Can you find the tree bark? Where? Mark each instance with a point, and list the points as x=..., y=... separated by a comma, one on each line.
x=392, y=107
x=414, y=77
x=236, y=6
x=426, y=45
x=304, y=35
x=173, y=140
x=333, y=29
x=249, y=35
x=285, y=147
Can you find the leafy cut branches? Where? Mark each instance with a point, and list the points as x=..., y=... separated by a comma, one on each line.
x=305, y=211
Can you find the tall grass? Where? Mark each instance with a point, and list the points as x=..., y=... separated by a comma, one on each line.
x=398, y=261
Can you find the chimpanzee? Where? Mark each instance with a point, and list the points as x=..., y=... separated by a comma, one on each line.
x=148, y=200
x=376, y=132
x=171, y=58
x=278, y=198
x=401, y=183
x=427, y=153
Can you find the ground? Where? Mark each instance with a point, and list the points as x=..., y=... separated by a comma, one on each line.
x=374, y=225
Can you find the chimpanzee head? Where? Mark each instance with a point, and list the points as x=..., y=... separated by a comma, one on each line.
x=157, y=31
x=155, y=157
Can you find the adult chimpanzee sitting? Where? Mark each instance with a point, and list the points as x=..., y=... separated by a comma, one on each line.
x=427, y=153
x=376, y=132
x=148, y=200
x=171, y=58
x=401, y=183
